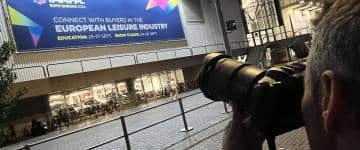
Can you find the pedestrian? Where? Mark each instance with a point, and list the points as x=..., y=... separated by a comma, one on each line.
x=174, y=89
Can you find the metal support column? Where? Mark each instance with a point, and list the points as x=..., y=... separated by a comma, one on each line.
x=222, y=27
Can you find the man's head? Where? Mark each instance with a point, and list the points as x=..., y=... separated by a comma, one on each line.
x=331, y=107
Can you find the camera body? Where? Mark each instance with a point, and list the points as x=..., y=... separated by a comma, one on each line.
x=272, y=97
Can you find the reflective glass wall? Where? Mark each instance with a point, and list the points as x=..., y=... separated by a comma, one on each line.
x=103, y=98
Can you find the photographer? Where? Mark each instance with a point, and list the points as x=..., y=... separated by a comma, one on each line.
x=330, y=105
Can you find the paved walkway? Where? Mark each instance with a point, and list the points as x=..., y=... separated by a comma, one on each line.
x=208, y=123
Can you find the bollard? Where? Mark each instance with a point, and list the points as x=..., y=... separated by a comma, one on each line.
x=186, y=129
x=226, y=109
x=126, y=136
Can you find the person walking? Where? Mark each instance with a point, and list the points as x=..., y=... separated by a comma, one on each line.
x=174, y=89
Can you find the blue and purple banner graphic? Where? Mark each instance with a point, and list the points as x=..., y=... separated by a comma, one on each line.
x=50, y=24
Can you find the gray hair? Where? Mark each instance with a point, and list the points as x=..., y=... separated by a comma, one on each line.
x=336, y=43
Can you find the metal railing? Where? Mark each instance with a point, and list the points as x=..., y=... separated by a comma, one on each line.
x=134, y=56
x=265, y=36
x=122, y=118
x=275, y=34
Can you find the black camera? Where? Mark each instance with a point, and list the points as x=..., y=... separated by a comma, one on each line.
x=272, y=97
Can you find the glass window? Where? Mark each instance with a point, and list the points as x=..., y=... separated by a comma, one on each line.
x=56, y=103
x=110, y=90
x=138, y=86
x=164, y=79
x=156, y=83
x=148, y=87
x=77, y=99
x=123, y=93
x=180, y=76
x=122, y=88
x=172, y=75
x=99, y=93
x=260, y=12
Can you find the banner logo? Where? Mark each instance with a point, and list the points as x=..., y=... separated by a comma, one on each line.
x=165, y=5
x=40, y=2
x=19, y=19
x=69, y=2
x=62, y=3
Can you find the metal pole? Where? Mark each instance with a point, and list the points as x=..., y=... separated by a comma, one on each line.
x=285, y=32
x=186, y=129
x=126, y=136
x=226, y=109
x=292, y=26
x=260, y=36
x=272, y=29
x=288, y=53
x=222, y=27
x=253, y=36
x=267, y=35
x=279, y=12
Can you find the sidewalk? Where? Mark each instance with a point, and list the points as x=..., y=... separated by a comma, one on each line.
x=208, y=123
x=200, y=119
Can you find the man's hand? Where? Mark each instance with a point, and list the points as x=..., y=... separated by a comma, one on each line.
x=238, y=135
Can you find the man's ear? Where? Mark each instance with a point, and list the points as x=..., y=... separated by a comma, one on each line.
x=332, y=101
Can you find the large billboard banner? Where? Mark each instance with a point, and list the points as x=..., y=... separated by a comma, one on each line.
x=50, y=24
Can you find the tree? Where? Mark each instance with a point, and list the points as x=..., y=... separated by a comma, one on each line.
x=7, y=95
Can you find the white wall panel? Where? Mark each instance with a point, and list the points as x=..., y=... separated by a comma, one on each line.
x=146, y=57
x=183, y=52
x=196, y=34
x=220, y=48
x=164, y=55
x=26, y=74
x=212, y=29
x=97, y=64
x=199, y=50
x=64, y=69
x=212, y=48
x=122, y=61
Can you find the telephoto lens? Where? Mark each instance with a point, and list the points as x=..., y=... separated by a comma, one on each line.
x=272, y=97
x=222, y=78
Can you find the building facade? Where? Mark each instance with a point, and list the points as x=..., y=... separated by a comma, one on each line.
x=268, y=32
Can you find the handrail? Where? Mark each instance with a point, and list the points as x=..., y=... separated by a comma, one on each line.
x=197, y=47
x=134, y=55
x=157, y=106
x=144, y=53
x=281, y=31
x=188, y=48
